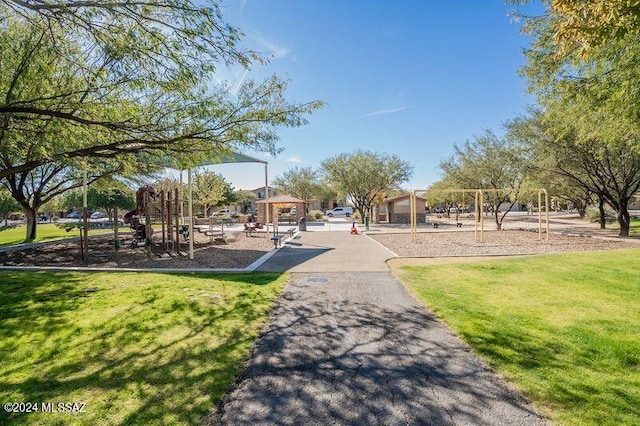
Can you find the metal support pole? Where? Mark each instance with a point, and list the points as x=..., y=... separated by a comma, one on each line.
x=476, y=216
x=266, y=197
x=181, y=201
x=85, y=213
x=190, y=209
x=412, y=209
x=546, y=209
x=482, y=217
x=540, y=214
x=169, y=218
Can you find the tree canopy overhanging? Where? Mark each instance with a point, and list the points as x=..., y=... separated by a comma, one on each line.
x=124, y=82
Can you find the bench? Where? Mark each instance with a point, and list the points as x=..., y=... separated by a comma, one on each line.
x=276, y=240
x=459, y=224
x=291, y=231
x=435, y=224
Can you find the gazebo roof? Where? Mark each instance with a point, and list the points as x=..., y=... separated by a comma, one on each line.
x=281, y=201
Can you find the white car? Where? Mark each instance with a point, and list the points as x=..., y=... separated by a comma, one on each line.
x=98, y=215
x=221, y=212
x=340, y=211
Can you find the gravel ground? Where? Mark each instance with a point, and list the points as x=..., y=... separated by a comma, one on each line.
x=238, y=252
x=454, y=244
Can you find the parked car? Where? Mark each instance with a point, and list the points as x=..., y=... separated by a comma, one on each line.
x=98, y=215
x=439, y=210
x=220, y=212
x=74, y=215
x=340, y=211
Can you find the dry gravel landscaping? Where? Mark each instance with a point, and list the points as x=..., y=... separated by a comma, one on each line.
x=497, y=243
x=238, y=252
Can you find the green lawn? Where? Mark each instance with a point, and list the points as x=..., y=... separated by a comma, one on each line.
x=13, y=235
x=564, y=328
x=634, y=228
x=136, y=348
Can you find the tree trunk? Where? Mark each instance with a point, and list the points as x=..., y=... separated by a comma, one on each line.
x=496, y=214
x=30, y=215
x=624, y=219
x=582, y=211
x=603, y=215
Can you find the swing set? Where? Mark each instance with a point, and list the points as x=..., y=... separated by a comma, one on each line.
x=479, y=208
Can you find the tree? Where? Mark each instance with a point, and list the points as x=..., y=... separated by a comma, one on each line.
x=303, y=183
x=544, y=172
x=365, y=175
x=609, y=171
x=489, y=163
x=211, y=189
x=583, y=61
x=130, y=77
x=150, y=42
x=111, y=197
x=122, y=120
x=35, y=188
x=440, y=194
x=245, y=198
x=579, y=27
x=7, y=204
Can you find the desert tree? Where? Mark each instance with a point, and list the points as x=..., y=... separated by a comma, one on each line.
x=301, y=182
x=7, y=204
x=211, y=189
x=363, y=176
x=65, y=101
x=494, y=164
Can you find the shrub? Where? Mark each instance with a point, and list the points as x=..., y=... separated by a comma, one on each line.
x=316, y=214
x=593, y=214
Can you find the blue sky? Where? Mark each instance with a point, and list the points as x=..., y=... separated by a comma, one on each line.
x=410, y=78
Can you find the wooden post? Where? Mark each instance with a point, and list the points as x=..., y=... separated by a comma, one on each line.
x=147, y=224
x=162, y=216
x=116, y=239
x=177, y=213
x=169, y=219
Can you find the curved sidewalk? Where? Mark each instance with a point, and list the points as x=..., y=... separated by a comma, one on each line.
x=348, y=345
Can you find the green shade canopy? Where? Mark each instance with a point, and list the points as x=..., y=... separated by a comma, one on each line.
x=227, y=157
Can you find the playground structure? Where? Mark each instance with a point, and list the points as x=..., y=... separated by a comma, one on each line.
x=164, y=208
x=479, y=209
x=153, y=208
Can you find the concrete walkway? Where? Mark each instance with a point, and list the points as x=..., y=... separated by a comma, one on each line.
x=329, y=251
x=349, y=346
